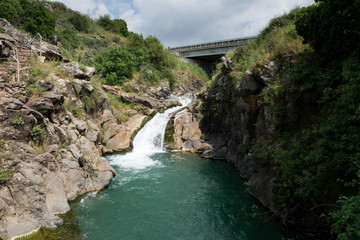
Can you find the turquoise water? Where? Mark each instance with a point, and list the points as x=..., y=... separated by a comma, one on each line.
x=179, y=196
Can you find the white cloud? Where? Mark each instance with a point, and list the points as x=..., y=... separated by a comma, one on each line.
x=181, y=22
x=101, y=10
x=191, y=21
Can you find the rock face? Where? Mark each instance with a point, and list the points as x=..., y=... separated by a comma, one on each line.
x=43, y=182
x=149, y=102
x=73, y=69
x=234, y=119
x=187, y=134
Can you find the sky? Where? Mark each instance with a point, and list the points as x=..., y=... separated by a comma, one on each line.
x=184, y=22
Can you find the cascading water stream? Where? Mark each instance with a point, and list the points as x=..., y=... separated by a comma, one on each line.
x=148, y=141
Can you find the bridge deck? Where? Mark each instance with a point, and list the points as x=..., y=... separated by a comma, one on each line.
x=212, y=45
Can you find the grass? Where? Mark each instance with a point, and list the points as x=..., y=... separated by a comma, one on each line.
x=117, y=104
x=5, y=175
x=18, y=121
x=186, y=73
x=277, y=43
x=122, y=117
x=72, y=107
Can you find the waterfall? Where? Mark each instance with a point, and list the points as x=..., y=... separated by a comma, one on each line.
x=148, y=141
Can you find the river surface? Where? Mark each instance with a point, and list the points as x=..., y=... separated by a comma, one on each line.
x=159, y=195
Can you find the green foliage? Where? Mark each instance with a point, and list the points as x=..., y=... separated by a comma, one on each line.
x=331, y=27
x=77, y=111
x=5, y=175
x=69, y=38
x=59, y=5
x=89, y=99
x=18, y=121
x=80, y=22
x=2, y=30
x=116, y=25
x=278, y=22
x=145, y=55
x=118, y=65
x=34, y=88
x=38, y=72
x=69, y=230
x=324, y=160
x=32, y=17
x=346, y=220
x=274, y=44
x=37, y=19
x=121, y=27
x=11, y=10
x=38, y=135
x=122, y=117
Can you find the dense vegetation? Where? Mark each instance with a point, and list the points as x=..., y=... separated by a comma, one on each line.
x=316, y=147
x=32, y=17
x=104, y=43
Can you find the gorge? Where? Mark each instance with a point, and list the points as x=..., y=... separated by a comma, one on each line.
x=94, y=143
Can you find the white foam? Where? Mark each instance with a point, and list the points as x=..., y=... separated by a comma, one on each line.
x=148, y=141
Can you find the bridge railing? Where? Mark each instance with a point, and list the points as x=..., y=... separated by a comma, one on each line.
x=209, y=45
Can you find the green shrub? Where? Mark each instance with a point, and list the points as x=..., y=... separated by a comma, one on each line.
x=128, y=88
x=38, y=72
x=5, y=175
x=279, y=22
x=38, y=135
x=331, y=27
x=118, y=65
x=116, y=25
x=38, y=19
x=77, y=111
x=346, y=220
x=11, y=10
x=69, y=39
x=122, y=117
x=89, y=99
x=80, y=22
x=59, y=5
x=121, y=27
x=18, y=121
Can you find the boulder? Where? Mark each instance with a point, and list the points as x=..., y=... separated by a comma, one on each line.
x=117, y=139
x=187, y=133
x=89, y=72
x=72, y=69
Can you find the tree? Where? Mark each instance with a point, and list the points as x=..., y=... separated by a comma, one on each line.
x=331, y=27
x=106, y=22
x=80, y=22
x=11, y=10
x=117, y=66
x=38, y=19
x=121, y=27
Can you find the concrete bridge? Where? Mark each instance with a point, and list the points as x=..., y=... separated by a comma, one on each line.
x=207, y=54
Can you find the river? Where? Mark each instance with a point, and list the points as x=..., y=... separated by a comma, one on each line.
x=159, y=195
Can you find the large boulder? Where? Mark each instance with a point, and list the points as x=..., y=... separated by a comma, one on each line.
x=187, y=134
x=117, y=139
x=72, y=69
